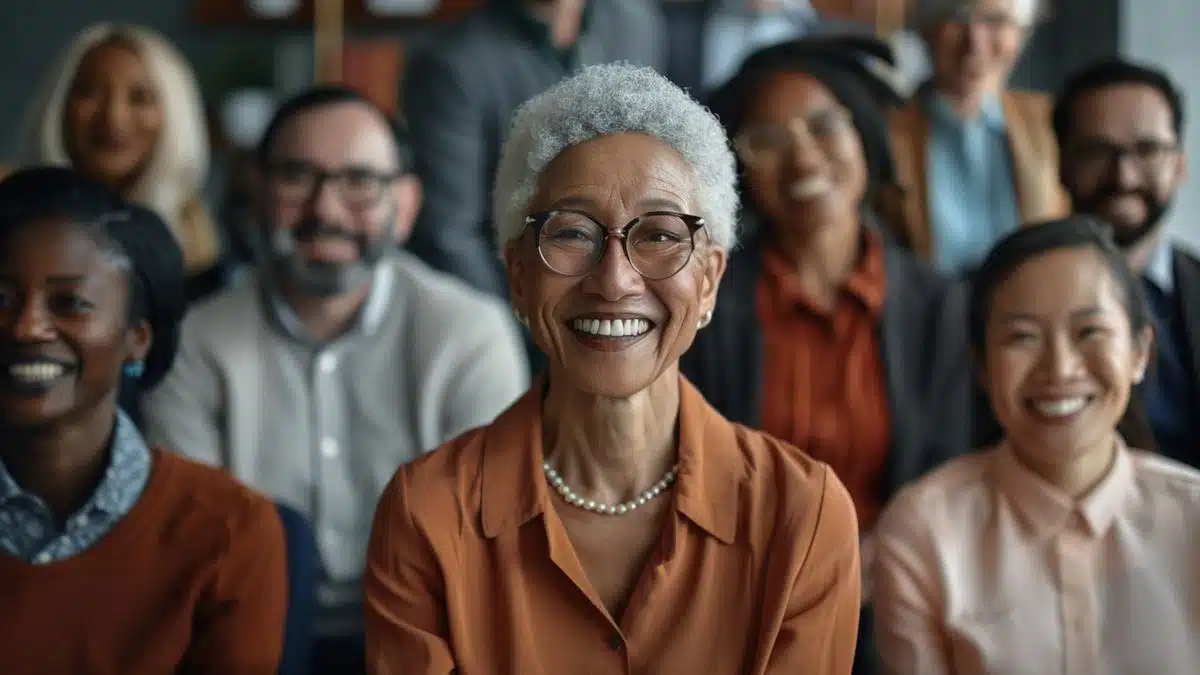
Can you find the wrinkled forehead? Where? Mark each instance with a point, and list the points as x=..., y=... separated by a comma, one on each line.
x=625, y=172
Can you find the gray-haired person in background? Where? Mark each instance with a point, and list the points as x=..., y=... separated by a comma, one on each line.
x=976, y=158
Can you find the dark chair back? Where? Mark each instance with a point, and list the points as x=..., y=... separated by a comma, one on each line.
x=302, y=592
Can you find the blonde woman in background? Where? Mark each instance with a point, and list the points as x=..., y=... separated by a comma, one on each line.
x=122, y=106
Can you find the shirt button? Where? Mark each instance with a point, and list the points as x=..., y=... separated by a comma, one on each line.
x=329, y=448
x=615, y=641
x=327, y=363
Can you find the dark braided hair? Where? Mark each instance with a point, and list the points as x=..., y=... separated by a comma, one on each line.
x=136, y=238
x=1036, y=239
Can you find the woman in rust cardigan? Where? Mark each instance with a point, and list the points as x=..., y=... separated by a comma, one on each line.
x=974, y=158
x=826, y=334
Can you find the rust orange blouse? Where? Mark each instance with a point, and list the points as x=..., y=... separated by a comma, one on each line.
x=470, y=569
x=823, y=379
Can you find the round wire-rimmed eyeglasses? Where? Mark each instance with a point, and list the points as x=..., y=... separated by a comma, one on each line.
x=658, y=244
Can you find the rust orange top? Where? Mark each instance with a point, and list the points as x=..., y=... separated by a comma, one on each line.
x=192, y=580
x=471, y=568
x=824, y=389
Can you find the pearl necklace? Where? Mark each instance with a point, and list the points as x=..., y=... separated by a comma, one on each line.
x=557, y=482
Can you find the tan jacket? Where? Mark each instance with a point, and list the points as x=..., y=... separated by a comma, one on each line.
x=1035, y=164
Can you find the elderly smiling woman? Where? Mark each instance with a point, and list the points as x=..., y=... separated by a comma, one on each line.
x=611, y=518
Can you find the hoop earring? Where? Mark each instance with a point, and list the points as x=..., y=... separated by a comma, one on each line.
x=704, y=320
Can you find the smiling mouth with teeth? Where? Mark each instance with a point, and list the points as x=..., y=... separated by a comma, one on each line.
x=808, y=189
x=611, y=328
x=1060, y=407
x=34, y=373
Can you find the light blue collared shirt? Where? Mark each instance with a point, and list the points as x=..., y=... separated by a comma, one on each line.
x=972, y=200
x=1160, y=271
x=29, y=531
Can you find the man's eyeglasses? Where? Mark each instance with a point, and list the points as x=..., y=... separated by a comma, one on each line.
x=657, y=244
x=356, y=187
x=1148, y=155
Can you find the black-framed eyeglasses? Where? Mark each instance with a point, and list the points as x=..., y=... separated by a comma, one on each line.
x=1147, y=154
x=657, y=244
x=357, y=187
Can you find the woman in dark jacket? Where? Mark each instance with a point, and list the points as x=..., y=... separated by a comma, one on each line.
x=825, y=333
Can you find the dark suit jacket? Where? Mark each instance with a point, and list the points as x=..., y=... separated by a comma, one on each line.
x=1187, y=293
x=923, y=337
x=459, y=98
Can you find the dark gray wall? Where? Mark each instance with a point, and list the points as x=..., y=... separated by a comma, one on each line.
x=1077, y=32
x=1163, y=32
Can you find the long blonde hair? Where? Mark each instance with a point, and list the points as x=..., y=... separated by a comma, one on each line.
x=172, y=180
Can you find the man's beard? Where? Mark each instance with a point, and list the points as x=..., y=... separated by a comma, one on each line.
x=322, y=278
x=1127, y=236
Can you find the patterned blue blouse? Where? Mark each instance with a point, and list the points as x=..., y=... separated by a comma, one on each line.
x=28, y=530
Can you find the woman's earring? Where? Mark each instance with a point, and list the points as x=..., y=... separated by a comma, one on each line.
x=705, y=320
x=1137, y=379
x=134, y=369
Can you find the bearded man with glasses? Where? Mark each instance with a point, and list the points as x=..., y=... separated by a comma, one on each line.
x=345, y=356
x=1120, y=126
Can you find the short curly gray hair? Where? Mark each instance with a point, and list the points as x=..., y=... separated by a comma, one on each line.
x=611, y=99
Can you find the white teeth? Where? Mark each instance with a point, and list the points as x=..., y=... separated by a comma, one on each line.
x=611, y=327
x=35, y=372
x=1061, y=407
x=809, y=188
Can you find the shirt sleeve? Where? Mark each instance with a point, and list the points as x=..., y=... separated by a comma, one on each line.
x=239, y=623
x=820, y=630
x=406, y=624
